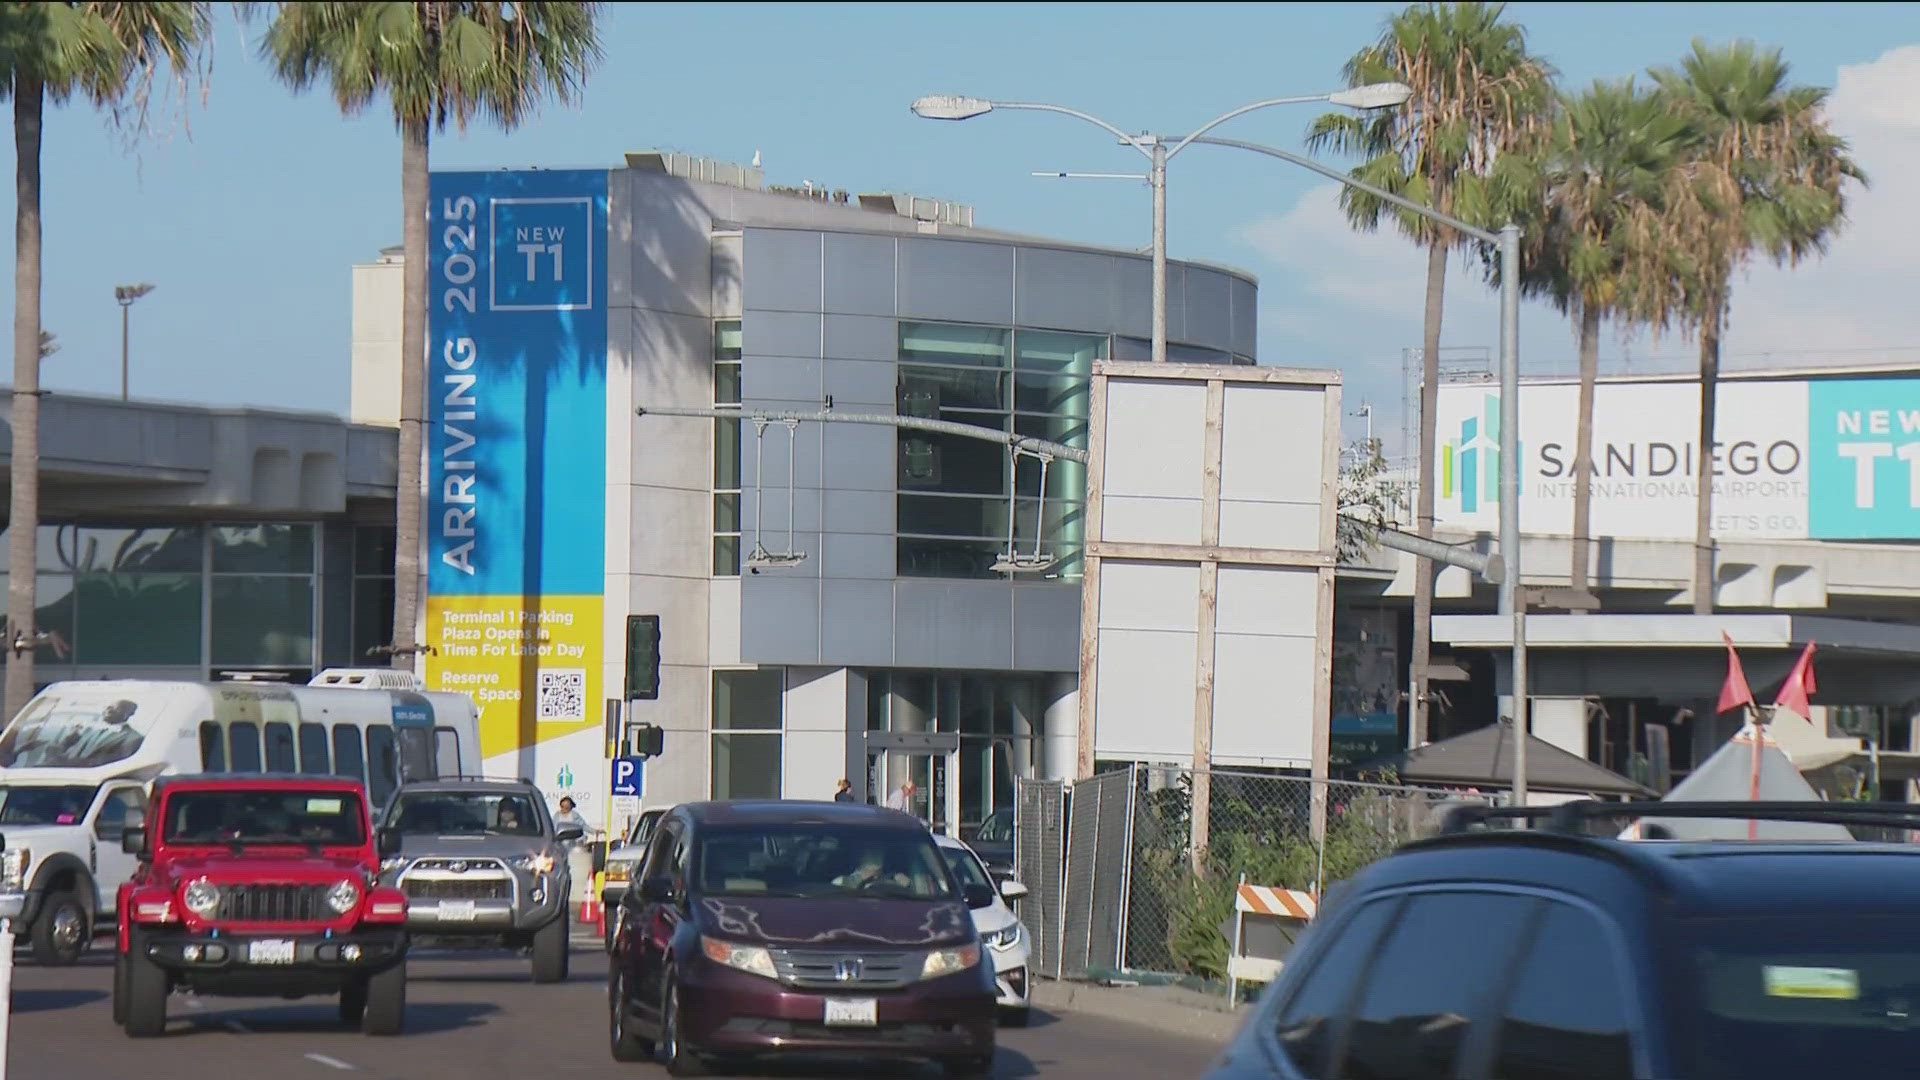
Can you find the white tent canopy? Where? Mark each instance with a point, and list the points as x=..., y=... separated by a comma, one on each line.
x=1727, y=776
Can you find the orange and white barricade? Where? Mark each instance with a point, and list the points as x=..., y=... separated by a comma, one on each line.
x=1277, y=917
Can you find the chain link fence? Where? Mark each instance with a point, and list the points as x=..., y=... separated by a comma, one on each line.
x=1121, y=890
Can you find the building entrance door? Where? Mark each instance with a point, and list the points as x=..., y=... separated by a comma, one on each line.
x=930, y=761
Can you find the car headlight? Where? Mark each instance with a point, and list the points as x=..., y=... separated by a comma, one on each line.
x=619, y=871
x=748, y=958
x=343, y=897
x=202, y=897
x=950, y=961
x=1002, y=939
x=538, y=864
x=13, y=868
x=394, y=862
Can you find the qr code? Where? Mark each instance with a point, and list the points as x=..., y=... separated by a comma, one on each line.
x=563, y=694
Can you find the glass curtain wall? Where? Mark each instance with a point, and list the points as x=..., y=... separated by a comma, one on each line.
x=189, y=596
x=956, y=494
x=747, y=724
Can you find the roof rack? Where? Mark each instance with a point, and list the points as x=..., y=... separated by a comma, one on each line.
x=1471, y=817
x=475, y=776
x=1571, y=818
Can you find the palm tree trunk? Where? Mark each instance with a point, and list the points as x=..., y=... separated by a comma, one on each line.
x=23, y=517
x=1583, y=447
x=1703, y=464
x=1423, y=510
x=409, y=583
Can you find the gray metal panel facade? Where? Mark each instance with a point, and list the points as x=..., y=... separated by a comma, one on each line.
x=819, y=319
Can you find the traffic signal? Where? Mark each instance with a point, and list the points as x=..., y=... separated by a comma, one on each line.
x=643, y=657
x=646, y=741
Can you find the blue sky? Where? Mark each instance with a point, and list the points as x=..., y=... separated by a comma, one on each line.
x=249, y=219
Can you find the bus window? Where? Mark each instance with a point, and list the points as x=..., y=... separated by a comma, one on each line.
x=347, y=757
x=280, y=748
x=383, y=765
x=313, y=750
x=446, y=751
x=243, y=740
x=213, y=749
x=416, y=753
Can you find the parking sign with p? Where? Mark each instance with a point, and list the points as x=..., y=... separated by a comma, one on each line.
x=628, y=776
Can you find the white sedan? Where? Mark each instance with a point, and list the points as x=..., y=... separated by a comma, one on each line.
x=1000, y=929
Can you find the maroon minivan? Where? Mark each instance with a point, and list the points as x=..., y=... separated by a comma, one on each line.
x=758, y=928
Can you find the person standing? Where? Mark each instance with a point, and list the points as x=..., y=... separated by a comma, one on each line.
x=844, y=793
x=569, y=815
x=902, y=798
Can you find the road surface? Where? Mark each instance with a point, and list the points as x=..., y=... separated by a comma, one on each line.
x=469, y=1016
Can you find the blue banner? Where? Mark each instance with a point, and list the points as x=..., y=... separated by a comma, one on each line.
x=517, y=387
x=1863, y=442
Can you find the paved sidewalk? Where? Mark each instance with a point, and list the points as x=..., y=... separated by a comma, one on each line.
x=1173, y=1009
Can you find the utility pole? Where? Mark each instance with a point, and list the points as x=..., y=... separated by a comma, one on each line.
x=125, y=295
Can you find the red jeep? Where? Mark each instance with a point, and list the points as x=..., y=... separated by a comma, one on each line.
x=259, y=886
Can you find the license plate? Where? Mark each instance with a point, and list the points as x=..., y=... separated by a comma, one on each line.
x=270, y=951
x=853, y=1012
x=456, y=910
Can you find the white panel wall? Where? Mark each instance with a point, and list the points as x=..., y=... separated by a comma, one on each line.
x=1269, y=475
x=1149, y=628
x=1156, y=434
x=1263, y=666
x=815, y=747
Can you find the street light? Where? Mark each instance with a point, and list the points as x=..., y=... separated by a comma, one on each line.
x=961, y=107
x=1512, y=602
x=126, y=295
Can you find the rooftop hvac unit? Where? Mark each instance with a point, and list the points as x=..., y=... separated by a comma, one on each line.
x=368, y=679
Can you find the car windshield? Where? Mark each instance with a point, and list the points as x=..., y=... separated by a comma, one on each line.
x=465, y=813
x=44, y=805
x=812, y=861
x=264, y=817
x=1790, y=997
x=966, y=868
x=997, y=829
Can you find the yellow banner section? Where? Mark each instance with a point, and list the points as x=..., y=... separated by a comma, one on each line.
x=532, y=664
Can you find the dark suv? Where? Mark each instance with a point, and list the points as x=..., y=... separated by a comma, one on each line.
x=259, y=886
x=761, y=927
x=1564, y=953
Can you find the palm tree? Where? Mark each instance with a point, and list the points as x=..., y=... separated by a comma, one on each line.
x=108, y=53
x=1603, y=168
x=435, y=62
x=1477, y=92
x=1769, y=178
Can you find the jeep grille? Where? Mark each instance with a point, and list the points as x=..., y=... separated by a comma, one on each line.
x=456, y=889
x=273, y=903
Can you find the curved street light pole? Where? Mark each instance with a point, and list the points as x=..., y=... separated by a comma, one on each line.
x=1512, y=601
x=1154, y=148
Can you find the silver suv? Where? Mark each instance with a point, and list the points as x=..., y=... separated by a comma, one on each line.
x=482, y=866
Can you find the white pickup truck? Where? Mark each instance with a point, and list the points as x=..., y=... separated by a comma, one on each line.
x=65, y=840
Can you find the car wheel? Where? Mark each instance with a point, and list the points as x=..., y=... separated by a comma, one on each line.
x=146, y=997
x=626, y=1045
x=1016, y=1018
x=386, y=1008
x=550, y=950
x=969, y=1068
x=679, y=1058
x=119, y=988
x=353, y=1002
x=60, y=933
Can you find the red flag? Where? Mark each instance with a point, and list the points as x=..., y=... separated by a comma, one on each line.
x=1799, y=687
x=1735, y=692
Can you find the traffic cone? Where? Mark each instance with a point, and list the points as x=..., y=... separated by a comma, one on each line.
x=590, y=908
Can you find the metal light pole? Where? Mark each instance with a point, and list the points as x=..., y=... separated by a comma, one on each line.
x=1154, y=148
x=1512, y=603
x=126, y=295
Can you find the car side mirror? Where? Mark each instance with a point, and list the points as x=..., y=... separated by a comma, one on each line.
x=977, y=896
x=133, y=834
x=569, y=834
x=657, y=889
x=387, y=842
x=1012, y=890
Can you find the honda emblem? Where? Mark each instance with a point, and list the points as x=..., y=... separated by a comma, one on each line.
x=847, y=970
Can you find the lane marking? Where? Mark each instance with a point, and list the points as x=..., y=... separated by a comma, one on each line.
x=329, y=1062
